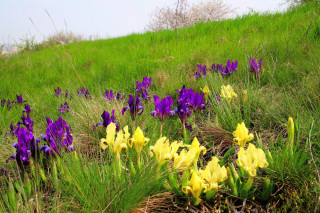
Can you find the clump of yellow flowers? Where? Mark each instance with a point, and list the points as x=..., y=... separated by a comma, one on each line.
x=227, y=93
x=180, y=161
x=115, y=144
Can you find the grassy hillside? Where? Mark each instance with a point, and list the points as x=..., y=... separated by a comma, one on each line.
x=289, y=86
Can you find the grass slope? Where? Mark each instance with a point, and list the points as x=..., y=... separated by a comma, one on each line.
x=289, y=85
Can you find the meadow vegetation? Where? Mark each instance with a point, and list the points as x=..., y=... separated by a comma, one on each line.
x=93, y=178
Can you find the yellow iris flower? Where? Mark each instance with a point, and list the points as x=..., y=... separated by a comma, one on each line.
x=163, y=151
x=115, y=144
x=138, y=140
x=184, y=159
x=195, y=186
x=227, y=93
x=206, y=92
x=241, y=135
x=214, y=174
x=196, y=145
x=244, y=95
x=251, y=159
x=290, y=130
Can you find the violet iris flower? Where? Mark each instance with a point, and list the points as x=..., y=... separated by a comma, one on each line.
x=197, y=102
x=84, y=93
x=58, y=92
x=64, y=108
x=67, y=94
x=135, y=105
x=58, y=137
x=107, y=119
x=26, y=120
x=9, y=104
x=109, y=95
x=119, y=97
x=163, y=108
x=185, y=94
x=143, y=87
x=255, y=68
x=229, y=69
x=183, y=111
x=19, y=99
x=3, y=102
x=26, y=147
x=12, y=130
x=202, y=71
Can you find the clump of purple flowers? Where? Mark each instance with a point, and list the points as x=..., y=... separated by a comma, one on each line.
x=64, y=108
x=84, y=93
x=19, y=99
x=135, y=107
x=229, y=69
x=201, y=71
x=183, y=104
x=110, y=96
x=58, y=138
x=143, y=87
x=254, y=66
x=11, y=103
x=27, y=145
x=107, y=119
x=58, y=92
x=3, y=102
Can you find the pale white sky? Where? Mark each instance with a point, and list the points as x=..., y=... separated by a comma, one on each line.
x=105, y=18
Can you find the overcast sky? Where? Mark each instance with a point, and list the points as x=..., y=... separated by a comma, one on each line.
x=105, y=18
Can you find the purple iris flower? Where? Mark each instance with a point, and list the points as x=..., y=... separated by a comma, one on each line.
x=58, y=137
x=109, y=95
x=143, y=87
x=26, y=120
x=9, y=104
x=185, y=94
x=202, y=71
x=216, y=67
x=67, y=94
x=197, y=102
x=27, y=109
x=12, y=130
x=84, y=93
x=107, y=119
x=58, y=92
x=19, y=99
x=26, y=147
x=3, y=102
x=163, y=108
x=119, y=97
x=229, y=69
x=183, y=111
x=64, y=108
x=255, y=68
x=134, y=106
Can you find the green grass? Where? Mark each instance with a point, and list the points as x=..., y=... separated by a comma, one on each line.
x=287, y=42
